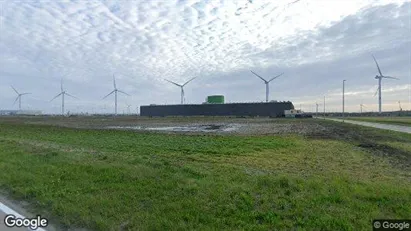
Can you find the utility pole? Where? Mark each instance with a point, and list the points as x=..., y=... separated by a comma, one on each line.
x=343, y=100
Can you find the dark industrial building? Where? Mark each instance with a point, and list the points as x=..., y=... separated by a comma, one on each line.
x=272, y=109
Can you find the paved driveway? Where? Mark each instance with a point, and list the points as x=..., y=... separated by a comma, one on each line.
x=397, y=128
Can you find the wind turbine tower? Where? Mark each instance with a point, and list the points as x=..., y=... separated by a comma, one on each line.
x=267, y=83
x=19, y=95
x=380, y=77
x=182, y=87
x=361, y=106
x=324, y=107
x=62, y=94
x=115, y=94
x=316, y=111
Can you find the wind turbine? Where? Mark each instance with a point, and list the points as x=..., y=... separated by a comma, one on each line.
x=115, y=94
x=361, y=106
x=380, y=77
x=267, y=88
x=316, y=111
x=62, y=94
x=399, y=104
x=19, y=95
x=182, y=87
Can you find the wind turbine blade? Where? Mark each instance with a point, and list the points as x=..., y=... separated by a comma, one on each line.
x=109, y=94
x=16, y=100
x=27, y=93
x=71, y=96
x=275, y=77
x=114, y=82
x=173, y=82
x=258, y=76
x=189, y=81
x=377, y=65
x=389, y=77
x=55, y=97
x=61, y=85
x=15, y=90
x=376, y=91
x=123, y=92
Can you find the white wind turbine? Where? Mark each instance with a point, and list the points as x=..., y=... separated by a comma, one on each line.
x=115, y=94
x=267, y=87
x=19, y=95
x=62, y=94
x=361, y=106
x=380, y=77
x=182, y=87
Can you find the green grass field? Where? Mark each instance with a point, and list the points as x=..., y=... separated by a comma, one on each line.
x=405, y=121
x=106, y=179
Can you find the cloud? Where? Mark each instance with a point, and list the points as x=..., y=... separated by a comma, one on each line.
x=315, y=43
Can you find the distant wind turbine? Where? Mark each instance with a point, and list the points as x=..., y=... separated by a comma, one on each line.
x=128, y=108
x=62, y=94
x=380, y=77
x=19, y=95
x=115, y=94
x=361, y=106
x=267, y=88
x=182, y=87
x=316, y=111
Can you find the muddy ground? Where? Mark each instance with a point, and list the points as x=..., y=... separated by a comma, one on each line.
x=187, y=125
x=369, y=139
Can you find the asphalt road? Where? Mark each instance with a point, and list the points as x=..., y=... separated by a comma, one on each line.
x=397, y=128
x=6, y=208
x=3, y=227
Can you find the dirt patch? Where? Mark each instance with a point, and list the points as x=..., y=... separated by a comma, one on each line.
x=212, y=127
x=395, y=155
x=194, y=128
x=368, y=139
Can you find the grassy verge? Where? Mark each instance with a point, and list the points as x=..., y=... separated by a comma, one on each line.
x=104, y=180
x=404, y=121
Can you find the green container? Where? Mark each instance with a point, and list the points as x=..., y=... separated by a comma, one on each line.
x=215, y=99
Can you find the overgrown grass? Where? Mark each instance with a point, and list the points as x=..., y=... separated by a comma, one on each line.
x=405, y=121
x=102, y=179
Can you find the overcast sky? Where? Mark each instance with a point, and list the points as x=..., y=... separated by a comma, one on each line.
x=316, y=43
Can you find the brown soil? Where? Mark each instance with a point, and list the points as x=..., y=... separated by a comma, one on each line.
x=368, y=139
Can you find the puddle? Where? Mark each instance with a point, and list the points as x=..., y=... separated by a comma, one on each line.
x=189, y=128
x=125, y=127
